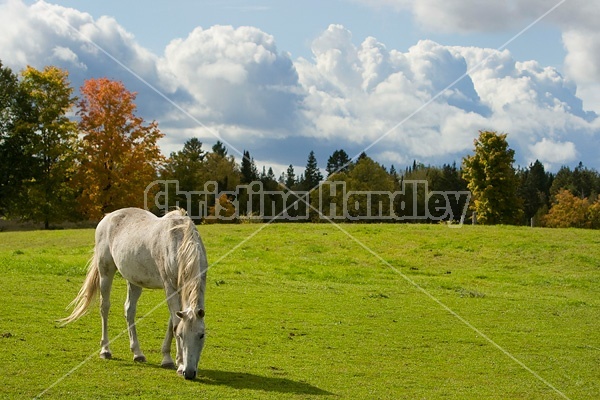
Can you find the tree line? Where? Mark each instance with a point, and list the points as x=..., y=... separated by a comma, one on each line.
x=74, y=158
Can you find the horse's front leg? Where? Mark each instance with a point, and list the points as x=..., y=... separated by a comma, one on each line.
x=167, y=361
x=174, y=303
x=133, y=295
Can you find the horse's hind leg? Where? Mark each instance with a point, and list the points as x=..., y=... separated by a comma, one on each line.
x=106, y=278
x=167, y=361
x=133, y=295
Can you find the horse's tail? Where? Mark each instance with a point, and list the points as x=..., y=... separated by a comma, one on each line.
x=86, y=294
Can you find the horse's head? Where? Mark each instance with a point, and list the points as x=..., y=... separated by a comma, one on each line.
x=190, y=340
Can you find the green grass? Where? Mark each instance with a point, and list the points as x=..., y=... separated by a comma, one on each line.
x=308, y=311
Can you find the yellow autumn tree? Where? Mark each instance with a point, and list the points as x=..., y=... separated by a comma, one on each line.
x=568, y=211
x=119, y=153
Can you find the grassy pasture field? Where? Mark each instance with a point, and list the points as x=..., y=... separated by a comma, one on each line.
x=315, y=311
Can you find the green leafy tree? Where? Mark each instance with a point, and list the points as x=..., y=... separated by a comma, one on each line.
x=16, y=159
x=366, y=176
x=49, y=195
x=492, y=179
x=221, y=168
x=369, y=176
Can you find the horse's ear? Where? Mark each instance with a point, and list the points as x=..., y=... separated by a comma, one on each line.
x=180, y=314
x=200, y=313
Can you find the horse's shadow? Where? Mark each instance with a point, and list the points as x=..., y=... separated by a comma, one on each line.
x=243, y=380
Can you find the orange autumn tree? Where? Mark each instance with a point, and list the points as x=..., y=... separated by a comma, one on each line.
x=119, y=154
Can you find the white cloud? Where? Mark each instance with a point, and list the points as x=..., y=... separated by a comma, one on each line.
x=583, y=54
x=67, y=55
x=551, y=152
x=235, y=77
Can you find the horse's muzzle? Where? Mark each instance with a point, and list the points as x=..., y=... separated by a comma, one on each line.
x=189, y=374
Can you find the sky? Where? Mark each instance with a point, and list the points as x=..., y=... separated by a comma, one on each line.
x=402, y=80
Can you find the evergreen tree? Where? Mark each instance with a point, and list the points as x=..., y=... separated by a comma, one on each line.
x=219, y=149
x=339, y=161
x=562, y=180
x=534, y=189
x=290, y=177
x=586, y=182
x=312, y=175
x=186, y=165
x=249, y=171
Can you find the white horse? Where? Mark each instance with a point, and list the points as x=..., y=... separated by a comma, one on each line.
x=153, y=253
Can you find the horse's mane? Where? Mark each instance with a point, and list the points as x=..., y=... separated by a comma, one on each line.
x=188, y=261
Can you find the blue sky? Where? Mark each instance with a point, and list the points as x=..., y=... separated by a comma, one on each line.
x=281, y=78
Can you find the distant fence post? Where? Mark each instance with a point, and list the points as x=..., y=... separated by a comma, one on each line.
x=474, y=218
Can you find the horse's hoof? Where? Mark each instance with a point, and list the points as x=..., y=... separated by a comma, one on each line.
x=168, y=365
x=139, y=359
x=106, y=355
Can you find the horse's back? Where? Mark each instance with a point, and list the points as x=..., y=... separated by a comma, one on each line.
x=136, y=242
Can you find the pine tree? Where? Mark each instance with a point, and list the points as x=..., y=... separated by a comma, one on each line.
x=290, y=177
x=186, y=166
x=219, y=149
x=312, y=175
x=534, y=189
x=249, y=171
x=339, y=161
